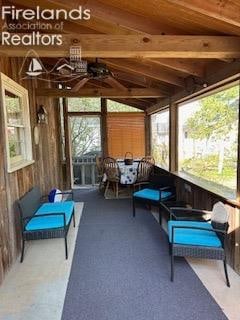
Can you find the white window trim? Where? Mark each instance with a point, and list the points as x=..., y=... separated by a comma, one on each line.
x=7, y=84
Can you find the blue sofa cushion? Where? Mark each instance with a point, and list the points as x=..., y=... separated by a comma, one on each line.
x=192, y=236
x=51, y=222
x=152, y=194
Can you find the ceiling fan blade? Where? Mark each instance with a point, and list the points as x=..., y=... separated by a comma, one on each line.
x=114, y=83
x=80, y=84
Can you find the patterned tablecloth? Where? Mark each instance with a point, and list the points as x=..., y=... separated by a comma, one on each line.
x=128, y=172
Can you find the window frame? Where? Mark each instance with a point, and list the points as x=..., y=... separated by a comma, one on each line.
x=26, y=157
x=166, y=108
x=205, y=94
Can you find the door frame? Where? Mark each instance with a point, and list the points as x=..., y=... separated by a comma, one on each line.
x=78, y=115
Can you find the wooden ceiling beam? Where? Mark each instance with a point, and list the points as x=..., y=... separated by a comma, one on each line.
x=133, y=80
x=146, y=70
x=142, y=81
x=114, y=83
x=226, y=11
x=182, y=65
x=136, y=46
x=101, y=92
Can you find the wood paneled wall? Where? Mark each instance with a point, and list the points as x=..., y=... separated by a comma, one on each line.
x=46, y=172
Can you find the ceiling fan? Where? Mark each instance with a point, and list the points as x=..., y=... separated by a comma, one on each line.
x=98, y=71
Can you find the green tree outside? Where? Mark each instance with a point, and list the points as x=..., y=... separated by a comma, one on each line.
x=215, y=124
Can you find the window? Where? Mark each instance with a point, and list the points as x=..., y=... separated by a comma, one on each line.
x=208, y=140
x=17, y=124
x=84, y=104
x=160, y=138
x=113, y=106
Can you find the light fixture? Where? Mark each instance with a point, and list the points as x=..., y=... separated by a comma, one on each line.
x=193, y=84
x=42, y=115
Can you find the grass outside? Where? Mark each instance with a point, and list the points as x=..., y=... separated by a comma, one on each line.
x=205, y=169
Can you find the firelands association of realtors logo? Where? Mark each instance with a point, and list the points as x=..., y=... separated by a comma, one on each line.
x=41, y=27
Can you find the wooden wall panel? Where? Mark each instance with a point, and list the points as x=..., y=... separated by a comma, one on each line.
x=126, y=132
x=46, y=172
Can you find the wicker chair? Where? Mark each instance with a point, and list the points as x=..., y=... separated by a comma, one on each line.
x=112, y=172
x=199, y=239
x=150, y=159
x=144, y=172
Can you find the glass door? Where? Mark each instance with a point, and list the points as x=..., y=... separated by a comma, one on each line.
x=85, y=132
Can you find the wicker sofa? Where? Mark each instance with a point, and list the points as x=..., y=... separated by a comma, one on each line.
x=47, y=220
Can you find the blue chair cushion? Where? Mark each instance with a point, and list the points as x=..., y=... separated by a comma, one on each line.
x=193, y=237
x=51, y=222
x=152, y=194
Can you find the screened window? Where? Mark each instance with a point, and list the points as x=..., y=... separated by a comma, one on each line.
x=208, y=140
x=84, y=104
x=160, y=138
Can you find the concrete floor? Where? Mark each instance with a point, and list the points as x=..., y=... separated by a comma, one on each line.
x=36, y=288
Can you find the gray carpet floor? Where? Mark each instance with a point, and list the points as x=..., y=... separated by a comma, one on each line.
x=121, y=269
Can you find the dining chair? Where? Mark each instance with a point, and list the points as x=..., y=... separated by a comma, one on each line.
x=144, y=172
x=113, y=174
x=150, y=159
x=199, y=239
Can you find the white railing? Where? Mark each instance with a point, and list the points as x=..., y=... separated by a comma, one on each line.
x=84, y=170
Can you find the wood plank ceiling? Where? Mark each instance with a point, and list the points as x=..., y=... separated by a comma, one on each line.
x=152, y=17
